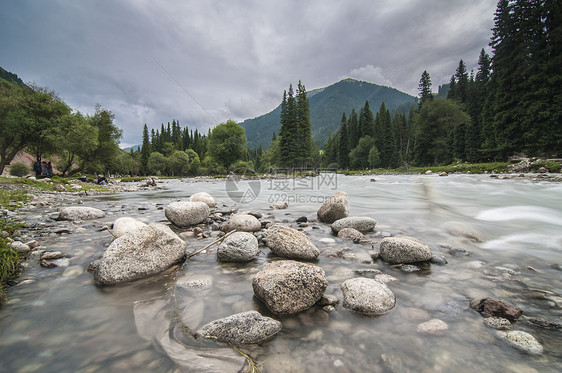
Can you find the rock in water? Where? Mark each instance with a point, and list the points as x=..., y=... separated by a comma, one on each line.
x=203, y=197
x=288, y=287
x=184, y=214
x=242, y=222
x=125, y=225
x=290, y=243
x=361, y=223
x=336, y=207
x=350, y=234
x=522, y=341
x=238, y=247
x=489, y=307
x=397, y=250
x=242, y=328
x=367, y=296
x=80, y=213
x=433, y=327
x=140, y=253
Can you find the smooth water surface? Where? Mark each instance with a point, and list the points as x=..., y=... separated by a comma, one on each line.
x=501, y=238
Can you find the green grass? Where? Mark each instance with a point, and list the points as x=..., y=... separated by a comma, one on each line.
x=10, y=199
x=10, y=259
x=473, y=168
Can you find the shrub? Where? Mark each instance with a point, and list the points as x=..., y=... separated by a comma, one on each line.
x=19, y=169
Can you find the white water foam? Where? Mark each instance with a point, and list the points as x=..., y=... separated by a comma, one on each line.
x=529, y=213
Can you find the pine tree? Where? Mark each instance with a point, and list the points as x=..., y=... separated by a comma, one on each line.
x=366, y=121
x=304, y=132
x=353, y=134
x=145, y=150
x=343, y=145
x=461, y=89
x=424, y=88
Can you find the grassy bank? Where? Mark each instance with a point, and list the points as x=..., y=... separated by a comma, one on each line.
x=473, y=168
x=10, y=259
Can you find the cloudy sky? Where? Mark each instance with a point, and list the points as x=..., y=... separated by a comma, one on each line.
x=203, y=62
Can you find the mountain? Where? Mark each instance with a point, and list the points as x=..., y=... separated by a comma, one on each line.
x=134, y=148
x=11, y=77
x=326, y=108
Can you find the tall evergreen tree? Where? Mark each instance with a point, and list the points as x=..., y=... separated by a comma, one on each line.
x=343, y=145
x=304, y=132
x=145, y=150
x=424, y=88
x=354, y=135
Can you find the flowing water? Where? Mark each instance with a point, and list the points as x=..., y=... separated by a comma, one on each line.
x=501, y=239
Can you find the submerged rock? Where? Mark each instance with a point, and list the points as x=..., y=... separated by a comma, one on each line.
x=522, y=341
x=288, y=287
x=243, y=223
x=499, y=323
x=242, y=328
x=238, y=247
x=396, y=250
x=203, y=197
x=335, y=208
x=125, y=225
x=489, y=307
x=361, y=223
x=350, y=234
x=80, y=213
x=140, y=253
x=367, y=296
x=433, y=327
x=184, y=214
x=290, y=243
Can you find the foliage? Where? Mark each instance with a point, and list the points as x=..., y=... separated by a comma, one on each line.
x=425, y=89
x=227, y=143
x=359, y=156
x=12, y=196
x=19, y=169
x=10, y=264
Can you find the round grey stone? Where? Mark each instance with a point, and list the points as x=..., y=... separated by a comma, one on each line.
x=238, y=247
x=80, y=213
x=242, y=222
x=350, y=234
x=242, y=328
x=184, y=214
x=396, y=250
x=367, y=296
x=522, y=341
x=290, y=243
x=288, y=287
x=336, y=207
x=361, y=223
x=203, y=197
x=125, y=225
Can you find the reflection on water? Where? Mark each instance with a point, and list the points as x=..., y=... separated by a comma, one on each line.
x=501, y=238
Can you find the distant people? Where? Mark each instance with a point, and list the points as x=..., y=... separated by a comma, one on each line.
x=37, y=168
x=44, y=171
x=102, y=180
x=49, y=169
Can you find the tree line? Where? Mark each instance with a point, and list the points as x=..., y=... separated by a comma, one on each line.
x=35, y=119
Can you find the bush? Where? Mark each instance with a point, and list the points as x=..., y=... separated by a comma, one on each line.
x=19, y=169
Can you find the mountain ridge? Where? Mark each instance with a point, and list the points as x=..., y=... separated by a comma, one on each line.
x=327, y=104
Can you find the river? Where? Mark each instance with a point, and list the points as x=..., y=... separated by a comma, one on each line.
x=501, y=238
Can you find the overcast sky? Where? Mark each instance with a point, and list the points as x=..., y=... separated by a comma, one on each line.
x=232, y=58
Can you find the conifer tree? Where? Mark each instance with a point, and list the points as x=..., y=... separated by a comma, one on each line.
x=305, y=143
x=145, y=150
x=353, y=134
x=424, y=88
x=343, y=145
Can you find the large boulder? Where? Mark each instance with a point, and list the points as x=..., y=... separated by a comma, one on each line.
x=290, y=243
x=125, y=225
x=184, y=214
x=396, y=250
x=80, y=213
x=335, y=208
x=238, y=247
x=203, y=197
x=242, y=328
x=288, y=287
x=242, y=222
x=138, y=254
x=367, y=296
x=361, y=223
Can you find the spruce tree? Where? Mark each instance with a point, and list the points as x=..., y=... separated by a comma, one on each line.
x=424, y=88
x=354, y=135
x=145, y=150
x=305, y=143
x=343, y=144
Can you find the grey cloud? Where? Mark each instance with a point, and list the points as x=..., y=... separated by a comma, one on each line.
x=234, y=58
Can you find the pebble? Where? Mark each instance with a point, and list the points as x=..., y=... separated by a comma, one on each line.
x=51, y=255
x=522, y=341
x=433, y=327
x=499, y=323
